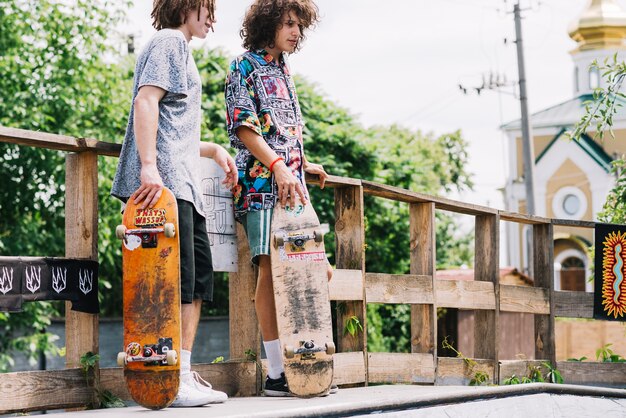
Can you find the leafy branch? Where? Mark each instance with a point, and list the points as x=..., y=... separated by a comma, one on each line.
x=479, y=377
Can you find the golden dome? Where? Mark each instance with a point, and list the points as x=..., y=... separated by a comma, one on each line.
x=601, y=26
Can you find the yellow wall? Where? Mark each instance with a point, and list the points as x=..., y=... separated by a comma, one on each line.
x=568, y=174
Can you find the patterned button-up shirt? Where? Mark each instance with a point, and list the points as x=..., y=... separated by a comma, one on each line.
x=261, y=95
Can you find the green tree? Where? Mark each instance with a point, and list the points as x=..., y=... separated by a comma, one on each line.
x=422, y=163
x=54, y=79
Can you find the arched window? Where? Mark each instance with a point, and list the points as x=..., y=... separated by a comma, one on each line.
x=594, y=78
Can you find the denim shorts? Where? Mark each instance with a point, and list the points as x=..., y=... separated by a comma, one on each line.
x=258, y=226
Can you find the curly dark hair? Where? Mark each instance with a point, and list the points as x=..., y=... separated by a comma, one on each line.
x=168, y=13
x=264, y=18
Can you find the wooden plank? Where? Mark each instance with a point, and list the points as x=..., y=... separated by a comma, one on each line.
x=593, y=373
x=486, y=270
x=519, y=368
x=422, y=257
x=346, y=285
x=401, y=368
x=458, y=372
x=349, y=368
x=464, y=294
x=81, y=241
x=244, y=330
x=524, y=299
x=543, y=273
x=43, y=390
x=573, y=304
x=350, y=254
x=574, y=223
x=234, y=378
x=403, y=195
x=398, y=288
x=57, y=142
x=522, y=218
x=333, y=181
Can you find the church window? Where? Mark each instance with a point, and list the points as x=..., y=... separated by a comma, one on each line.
x=569, y=203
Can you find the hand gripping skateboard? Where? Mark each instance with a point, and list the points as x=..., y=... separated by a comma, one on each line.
x=151, y=301
x=299, y=271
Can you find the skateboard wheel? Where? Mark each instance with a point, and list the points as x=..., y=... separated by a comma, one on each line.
x=330, y=348
x=289, y=351
x=121, y=359
x=120, y=231
x=318, y=235
x=171, y=357
x=279, y=240
x=169, y=230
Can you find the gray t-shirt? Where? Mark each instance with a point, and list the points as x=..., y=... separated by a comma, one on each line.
x=166, y=62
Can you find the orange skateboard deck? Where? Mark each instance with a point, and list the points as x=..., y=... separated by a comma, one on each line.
x=151, y=301
x=299, y=271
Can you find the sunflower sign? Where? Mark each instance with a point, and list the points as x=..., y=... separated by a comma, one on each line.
x=609, y=302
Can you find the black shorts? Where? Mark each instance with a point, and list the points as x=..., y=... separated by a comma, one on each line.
x=196, y=265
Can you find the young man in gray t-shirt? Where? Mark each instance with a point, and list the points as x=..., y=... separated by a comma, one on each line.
x=162, y=147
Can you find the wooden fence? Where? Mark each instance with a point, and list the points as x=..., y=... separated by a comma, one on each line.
x=352, y=286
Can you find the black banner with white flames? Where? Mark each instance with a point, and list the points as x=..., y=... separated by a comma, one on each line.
x=27, y=279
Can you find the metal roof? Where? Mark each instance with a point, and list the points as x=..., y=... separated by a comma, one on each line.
x=564, y=115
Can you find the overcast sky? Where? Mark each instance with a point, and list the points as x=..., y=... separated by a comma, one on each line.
x=401, y=61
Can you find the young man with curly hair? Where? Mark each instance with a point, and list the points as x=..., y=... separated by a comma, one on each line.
x=265, y=124
x=162, y=147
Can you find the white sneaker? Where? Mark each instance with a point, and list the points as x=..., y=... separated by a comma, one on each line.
x=196, y=381
x=190, y=396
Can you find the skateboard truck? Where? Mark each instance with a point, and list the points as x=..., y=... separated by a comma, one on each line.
x=148, y=235
x=308, y=349
x=151, y=354
x=298, y=240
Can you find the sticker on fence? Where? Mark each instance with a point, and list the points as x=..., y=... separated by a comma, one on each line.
x=220, y=220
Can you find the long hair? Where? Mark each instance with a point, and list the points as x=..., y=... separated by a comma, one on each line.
x=264, y=18
x=170, y=13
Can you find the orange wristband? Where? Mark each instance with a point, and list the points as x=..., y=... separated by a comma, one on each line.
x=275, y=161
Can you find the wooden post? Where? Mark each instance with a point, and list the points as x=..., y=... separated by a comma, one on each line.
x=81, y=241
x=543, y=274
x=486, y=268
x=350, y=254
x=423, y=252
x=245, y=333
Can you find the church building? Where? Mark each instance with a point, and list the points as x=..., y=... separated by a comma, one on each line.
x=571, y=178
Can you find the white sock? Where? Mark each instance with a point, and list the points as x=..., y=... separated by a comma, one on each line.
x=185, y=362
x=274, y=358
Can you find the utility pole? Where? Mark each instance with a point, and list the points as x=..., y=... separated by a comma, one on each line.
x=527, y=145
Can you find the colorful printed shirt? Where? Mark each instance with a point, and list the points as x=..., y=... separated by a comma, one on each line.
x=261, y=95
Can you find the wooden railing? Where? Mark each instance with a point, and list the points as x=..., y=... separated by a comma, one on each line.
x=352, y=286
